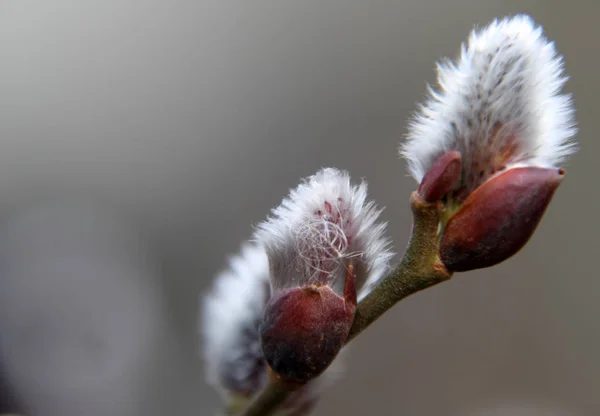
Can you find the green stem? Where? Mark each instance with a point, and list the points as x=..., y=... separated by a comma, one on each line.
x=268, y=400
x=419, y=269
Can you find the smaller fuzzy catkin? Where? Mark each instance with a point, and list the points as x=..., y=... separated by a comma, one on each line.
x=323, y=225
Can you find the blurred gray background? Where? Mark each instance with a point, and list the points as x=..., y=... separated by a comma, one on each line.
x=141, y=140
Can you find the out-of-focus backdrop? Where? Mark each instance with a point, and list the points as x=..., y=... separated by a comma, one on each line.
x=141, y=140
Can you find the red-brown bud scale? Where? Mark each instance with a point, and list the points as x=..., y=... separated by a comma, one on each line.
x=498, y=218
x=304, y=328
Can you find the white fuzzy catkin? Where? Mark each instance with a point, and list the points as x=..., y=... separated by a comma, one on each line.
x=231, y=314
x=322, y=226
x=499, y=105
x=230, y=317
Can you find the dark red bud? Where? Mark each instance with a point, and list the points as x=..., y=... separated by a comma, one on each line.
x=441, y=177
x=304, y=329
x=498, y=218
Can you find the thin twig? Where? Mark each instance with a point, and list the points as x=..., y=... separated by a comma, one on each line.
x=268, y=400
x=419, y=269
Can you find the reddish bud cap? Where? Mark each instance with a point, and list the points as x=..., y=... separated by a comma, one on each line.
x=303, y=330
x=498, y=218
x=441, y=177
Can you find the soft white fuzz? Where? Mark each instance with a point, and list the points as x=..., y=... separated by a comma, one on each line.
x=325, y=224
x=500, y=104
x=231, y=314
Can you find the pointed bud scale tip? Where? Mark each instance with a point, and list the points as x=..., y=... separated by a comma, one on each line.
x=304, y=328
x=498, y=218
x=441, y=177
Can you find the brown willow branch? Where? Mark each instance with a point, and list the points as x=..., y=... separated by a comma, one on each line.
x=419, y=269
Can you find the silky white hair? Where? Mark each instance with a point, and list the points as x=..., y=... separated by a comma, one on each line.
x=231, y=314
x=501, y=99
x=322, y=225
